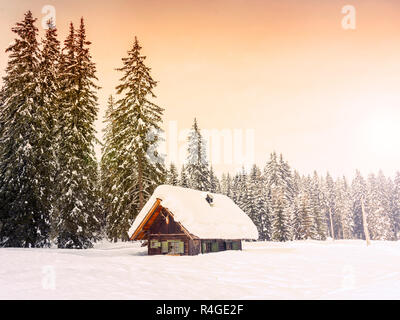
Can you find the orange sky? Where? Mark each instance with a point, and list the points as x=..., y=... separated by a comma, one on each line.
x=327, y=98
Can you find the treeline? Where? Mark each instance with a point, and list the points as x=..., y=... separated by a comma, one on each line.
x=287, y=206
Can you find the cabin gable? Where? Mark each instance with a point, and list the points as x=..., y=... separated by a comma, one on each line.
x=165, y=224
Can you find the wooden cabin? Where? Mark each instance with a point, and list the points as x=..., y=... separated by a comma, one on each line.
x=182, y=221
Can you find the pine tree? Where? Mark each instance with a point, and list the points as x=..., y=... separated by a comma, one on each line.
x=258, y=205
x=358, y=194
x=172, y=175
x=137, y=125
x=214, y=182
x=281, y=227
x=317, y=208
x=307, y=230
x=197, y=164
x=249, y=198
x=329, y=204
x=109, y=164
x=48, y=76
x=377, y=208
x=77, y=209
x=343, y=209
x=396, y=205
x=183, y=180
x=25, y=145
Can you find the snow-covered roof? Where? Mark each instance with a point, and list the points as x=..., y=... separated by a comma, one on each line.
x=221, y=220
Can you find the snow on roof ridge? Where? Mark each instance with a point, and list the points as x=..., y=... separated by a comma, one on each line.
x=221, y=220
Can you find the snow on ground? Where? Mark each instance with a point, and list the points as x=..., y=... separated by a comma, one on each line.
x=346, y=269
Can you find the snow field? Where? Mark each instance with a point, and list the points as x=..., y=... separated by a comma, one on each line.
x=344, y=269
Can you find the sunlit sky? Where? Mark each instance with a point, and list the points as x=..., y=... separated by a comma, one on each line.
x=325, y=97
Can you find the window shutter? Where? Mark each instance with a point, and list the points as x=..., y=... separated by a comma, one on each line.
x=214, y=246
x=203, y=247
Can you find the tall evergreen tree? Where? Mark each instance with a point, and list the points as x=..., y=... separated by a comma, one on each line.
x=358, y=195
x=109, y=166
x=77, y=209
x=317, y=207
x=197, y=164
x=377, y=208
x=183, y=179
x=329, y=204
x=48, y=76
x=172, y=175
x=25, y=145
x=396, y=205
x=343, y=209
x=137, y=125
x=214, y=182
x=281, y=226
x=307, y=230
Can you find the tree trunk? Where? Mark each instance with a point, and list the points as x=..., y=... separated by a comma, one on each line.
x=366, y=232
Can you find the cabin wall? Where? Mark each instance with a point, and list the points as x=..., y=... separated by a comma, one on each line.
x=166, y=232
x=156, y=242
x=165, y=236
x=216, y=245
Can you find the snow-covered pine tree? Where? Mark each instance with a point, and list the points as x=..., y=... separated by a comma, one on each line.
x=137, y=125
x=396, y=205
x=77, y=208
x=183, y=179
x=281, y=222
x=196, y=162
x=377, y=207
x=278, y=181
x=109, y=163
x=317, y=207
x=172, y=175
x=49, y=95
x=343, y=206
x=242, y=190
x=214, y=182
x=358, y=193
x=287, y=179
x=25, y=145
x=248, y=200
x=385, y=190
x=223, y=183
x=258, y=205
x=226, y=185
x=272, y=174
x=328, y=189
x=263, y=206
x=307, y=230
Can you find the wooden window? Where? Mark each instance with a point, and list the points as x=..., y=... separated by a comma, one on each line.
x=164, y=247
x=155, y=244
x=214, y=246
x=235, y=245
x=176, y=247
